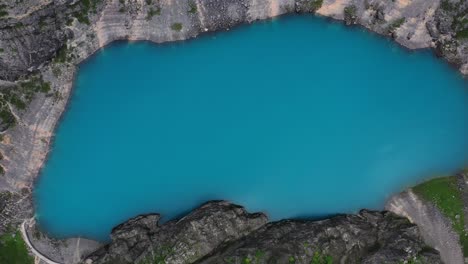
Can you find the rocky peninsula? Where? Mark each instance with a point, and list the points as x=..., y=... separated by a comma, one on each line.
x=43, y=41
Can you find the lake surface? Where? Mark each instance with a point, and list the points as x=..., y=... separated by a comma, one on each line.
x=296, y=117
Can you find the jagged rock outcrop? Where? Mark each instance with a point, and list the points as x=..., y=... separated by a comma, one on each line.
x=49, y=38
x=179, y=241
x=452, y=32
x=29, y=40
x=220, y=232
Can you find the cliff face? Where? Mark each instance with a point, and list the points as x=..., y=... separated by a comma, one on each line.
x=31, y=32
x=43, y=41
x=219, y=232
x=49, y=38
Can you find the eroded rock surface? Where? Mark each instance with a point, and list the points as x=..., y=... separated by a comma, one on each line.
x=220, y=232
x=47, y=39
x=180, y=241
x=435, y=227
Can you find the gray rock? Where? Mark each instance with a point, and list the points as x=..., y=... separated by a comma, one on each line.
x=180, y=241
x=220, y=232
x=34, y=32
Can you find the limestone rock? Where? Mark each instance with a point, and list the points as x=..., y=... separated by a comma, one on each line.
x=220, y=232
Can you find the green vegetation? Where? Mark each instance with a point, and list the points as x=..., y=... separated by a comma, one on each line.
x=61, y=56
x=460, y=17
x=396, y=24
x=19, y=97
x=6, y=117
x=153, y=12
x=446, y=5
x=319, y=258
x=18, y=25
x=444, y=193
x=192, y=7
x=85, y=8
x=42, y=22
x=413, y=260
x=350, y=13
x=149, y=2
x=315, y=5
x=462, y=34
x=2, y=170
x=259, y=256
x=2, y=50
x=122, y=8
x=13, y=249
x=159, y=256
x=246, y=260
x=176, y=27
x=3, y=12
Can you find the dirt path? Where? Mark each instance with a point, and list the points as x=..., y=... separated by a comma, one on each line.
x=36, y=253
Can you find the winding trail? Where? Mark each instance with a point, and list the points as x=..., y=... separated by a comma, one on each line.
x=36, y=253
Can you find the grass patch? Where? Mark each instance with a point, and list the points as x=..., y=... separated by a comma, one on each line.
x=176, y=26
x=444, y=193
x=13, y=249
x=315, y=5
x=319, y=258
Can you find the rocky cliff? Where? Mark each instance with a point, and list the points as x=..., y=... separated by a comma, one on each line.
x=43, y=41
x=220, y=232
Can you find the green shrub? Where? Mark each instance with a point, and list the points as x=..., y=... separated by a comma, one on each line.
x=462, y=34
x=192, y=7
x=3, y=12
x=153, y=12
x=446, y=5
x=176, y=26
x=396, y=24
x=315, y=5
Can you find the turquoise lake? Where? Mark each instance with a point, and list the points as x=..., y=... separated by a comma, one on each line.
x=298, y=117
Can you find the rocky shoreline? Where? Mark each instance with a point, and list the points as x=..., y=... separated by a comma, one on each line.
x=220, y=232
x=43, y=41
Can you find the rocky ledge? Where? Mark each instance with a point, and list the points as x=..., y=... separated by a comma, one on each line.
x=220, y=232
x=43, y=41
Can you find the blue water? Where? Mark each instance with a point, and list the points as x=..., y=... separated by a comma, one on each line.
x=296, y=117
